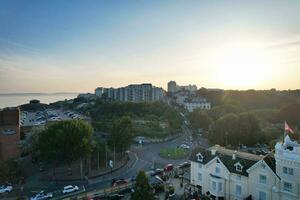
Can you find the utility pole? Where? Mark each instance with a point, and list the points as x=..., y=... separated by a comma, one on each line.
x=98, y=157
x=114, y=153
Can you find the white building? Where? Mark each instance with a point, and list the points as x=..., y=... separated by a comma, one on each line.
x=226, y=174
x=133, y=93
x=99, y=91
x=196, y=103
x=173, y=87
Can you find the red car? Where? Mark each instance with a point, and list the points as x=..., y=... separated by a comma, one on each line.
x=168, y=168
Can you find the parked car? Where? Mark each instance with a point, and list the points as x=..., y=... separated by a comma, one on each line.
x=116, y=196
x=5, y=188
x=184, y=165
x=69, y=189
x=118, y=182
x=157, y=171
x=168, y=168
x=42, y=195
x=184, y=146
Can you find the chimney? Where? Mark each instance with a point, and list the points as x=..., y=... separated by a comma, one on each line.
x=213, y=152
x=234, y=155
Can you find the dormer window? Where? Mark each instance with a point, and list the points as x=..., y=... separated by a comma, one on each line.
x=238, y=167
x=199, y=157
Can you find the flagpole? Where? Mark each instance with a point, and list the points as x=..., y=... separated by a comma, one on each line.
x=284, y=133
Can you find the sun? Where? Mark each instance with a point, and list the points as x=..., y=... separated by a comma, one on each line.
x=242, y=66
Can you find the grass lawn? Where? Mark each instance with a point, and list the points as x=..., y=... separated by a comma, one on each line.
x=173, y=153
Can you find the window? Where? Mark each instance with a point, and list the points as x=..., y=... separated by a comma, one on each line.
x=238, y=177
x=262, y=179
x=238, y=190
x=218, y=170
x=238, y=167
x=199, y=157
x=199, y=176
x=262, y=196
x=200, y=165
x=220, y=186
x=287, y=187
x=214, y=185
x=288, y=171
x=291, y=171
x=284, y=170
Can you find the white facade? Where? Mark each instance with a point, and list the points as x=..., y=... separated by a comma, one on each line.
x=227, y=174
x=173, y=87
x=201, y=104
x=132, y=93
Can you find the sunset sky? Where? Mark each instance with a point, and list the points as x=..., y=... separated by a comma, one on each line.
x=75, y=46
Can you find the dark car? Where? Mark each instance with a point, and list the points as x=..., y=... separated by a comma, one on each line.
x=184, y=165
x=115, y=197
x=118, y=182
x=127, y=191
x=157, y=171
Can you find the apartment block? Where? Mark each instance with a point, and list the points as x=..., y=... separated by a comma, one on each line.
x=145, y=92
x=9, y=133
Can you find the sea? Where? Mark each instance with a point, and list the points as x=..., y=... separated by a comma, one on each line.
x=16, y=99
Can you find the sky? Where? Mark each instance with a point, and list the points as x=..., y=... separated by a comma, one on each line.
x=78, y=45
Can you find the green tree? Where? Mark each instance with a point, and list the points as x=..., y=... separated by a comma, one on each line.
x=65, y=142
x=121, y=135
x=225, y=130
x=290, y=113
x=200, y=119
x=143, y=189
x=248, y=129
x=10, y=171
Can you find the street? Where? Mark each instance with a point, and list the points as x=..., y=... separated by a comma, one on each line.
x=142, y=157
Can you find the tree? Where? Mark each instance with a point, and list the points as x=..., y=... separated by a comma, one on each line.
x=121, y=134
x=143, y=189
x=225, y=130
x=248, y=129
x=10, y=171
x=66, y=141
x=200, y=119
x=291, y=114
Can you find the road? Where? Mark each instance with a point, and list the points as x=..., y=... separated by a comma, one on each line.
x=142, y=157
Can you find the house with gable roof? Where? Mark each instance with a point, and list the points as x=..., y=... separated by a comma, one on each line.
x=221, y=173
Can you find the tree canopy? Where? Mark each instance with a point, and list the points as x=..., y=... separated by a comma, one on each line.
x=121, y=135
x=66, y=141
x=200, y=119
x=143, y=189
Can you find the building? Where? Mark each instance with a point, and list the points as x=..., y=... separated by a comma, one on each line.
x=9, y=133
x=196, y=103
x=87, y=96
x=173, y=87
x=132, y=93
x=99, y=91
x=226, y=174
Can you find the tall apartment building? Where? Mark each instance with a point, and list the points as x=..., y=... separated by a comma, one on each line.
x=173, y=87
x=9, y=133
x=132, y=93
x=226, y=174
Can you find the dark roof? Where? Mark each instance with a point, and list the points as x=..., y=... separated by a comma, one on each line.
x=205, y=153
x=270, y=160
x=225, y=159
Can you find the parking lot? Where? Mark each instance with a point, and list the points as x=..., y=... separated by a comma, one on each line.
x=49, y=115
